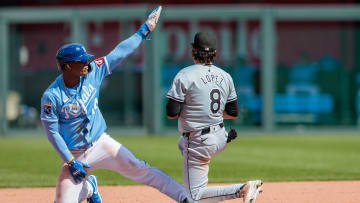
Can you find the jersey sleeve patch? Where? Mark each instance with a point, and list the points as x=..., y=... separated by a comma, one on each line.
x=99, y=61
x=47, y=109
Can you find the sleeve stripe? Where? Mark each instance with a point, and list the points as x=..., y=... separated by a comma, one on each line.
x=176, y=99
x=230, y=100
x=49, y=119
x=107, y=66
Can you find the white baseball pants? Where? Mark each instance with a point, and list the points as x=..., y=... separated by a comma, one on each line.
x=107, y=153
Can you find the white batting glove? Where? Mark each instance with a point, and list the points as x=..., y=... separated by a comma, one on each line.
x=146, y=28
x=153, y=18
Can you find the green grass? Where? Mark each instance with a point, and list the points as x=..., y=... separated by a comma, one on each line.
x=31, y=161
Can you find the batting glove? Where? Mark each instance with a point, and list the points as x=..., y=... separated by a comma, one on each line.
x=77, y=170
x=150, y=23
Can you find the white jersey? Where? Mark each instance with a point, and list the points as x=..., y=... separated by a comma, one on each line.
x=203, y=90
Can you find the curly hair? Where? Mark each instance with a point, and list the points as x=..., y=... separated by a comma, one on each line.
x=202, y=56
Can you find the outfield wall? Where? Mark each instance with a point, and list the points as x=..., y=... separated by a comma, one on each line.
x=292, y=65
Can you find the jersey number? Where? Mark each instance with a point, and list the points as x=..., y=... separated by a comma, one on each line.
x=96, y=106
x=215, y=99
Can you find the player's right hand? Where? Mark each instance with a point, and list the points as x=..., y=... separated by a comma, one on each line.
x=77, y=170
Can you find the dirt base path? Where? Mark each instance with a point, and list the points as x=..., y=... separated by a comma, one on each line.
x=273, y=192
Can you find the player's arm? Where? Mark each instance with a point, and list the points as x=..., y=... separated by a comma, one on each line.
x=77, y=168
x=231, y=110
x=129, y=45
x=173, y=109
x=231, y=106
x=176, y=96
x=52, y=132
x=50, y=121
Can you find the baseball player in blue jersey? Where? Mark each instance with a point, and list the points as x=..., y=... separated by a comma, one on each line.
x=201, y=96
x=76, y=128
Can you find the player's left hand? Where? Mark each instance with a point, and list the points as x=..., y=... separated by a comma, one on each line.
x=232, y=135
x=153, y=18
x=150, y=23
x=77, y=170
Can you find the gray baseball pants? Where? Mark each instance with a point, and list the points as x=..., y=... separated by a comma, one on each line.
x=197, y=150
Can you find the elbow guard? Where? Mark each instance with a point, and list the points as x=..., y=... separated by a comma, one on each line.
x=231, y=108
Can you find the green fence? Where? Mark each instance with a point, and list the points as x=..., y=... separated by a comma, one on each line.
x=291, y=64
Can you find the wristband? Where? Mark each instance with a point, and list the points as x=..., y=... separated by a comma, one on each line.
x=144, y=31
x=70, y=160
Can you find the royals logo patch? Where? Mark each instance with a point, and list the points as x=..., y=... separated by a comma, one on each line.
x=47, y=108
x=99, y=61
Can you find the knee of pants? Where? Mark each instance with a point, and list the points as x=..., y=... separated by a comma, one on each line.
x=126, y=160
x=134, y=165
x=181, y=144
x=193, y=195
x=139, y=164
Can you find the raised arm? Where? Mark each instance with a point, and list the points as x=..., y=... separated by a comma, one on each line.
x=129, y=45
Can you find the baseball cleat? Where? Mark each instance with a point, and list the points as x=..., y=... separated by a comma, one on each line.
x=95, y=197
x=255, y=187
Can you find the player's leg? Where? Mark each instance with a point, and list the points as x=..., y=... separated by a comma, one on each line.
x=67, y=191
x=110, y=154
x=196, y=158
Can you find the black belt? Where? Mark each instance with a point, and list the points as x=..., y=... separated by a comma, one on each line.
x=203, y=131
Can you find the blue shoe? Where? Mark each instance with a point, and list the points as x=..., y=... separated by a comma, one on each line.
x=96, y=197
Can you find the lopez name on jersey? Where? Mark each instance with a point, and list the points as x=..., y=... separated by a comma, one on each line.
x=212, y=78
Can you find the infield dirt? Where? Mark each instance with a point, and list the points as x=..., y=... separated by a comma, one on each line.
x=279, y=192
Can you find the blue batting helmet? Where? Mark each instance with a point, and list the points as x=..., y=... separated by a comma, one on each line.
x=72, y=52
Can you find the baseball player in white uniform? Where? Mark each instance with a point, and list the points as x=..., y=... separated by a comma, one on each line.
x=76, y=128
x=201, y=96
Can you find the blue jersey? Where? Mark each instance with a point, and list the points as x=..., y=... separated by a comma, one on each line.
x=71, y=116
x=76, y=109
